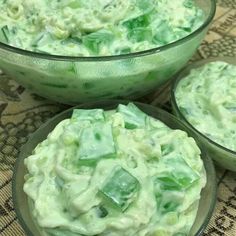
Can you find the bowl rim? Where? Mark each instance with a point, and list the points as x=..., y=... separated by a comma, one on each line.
x=151, y=51
x=211, y=176
x=181, y=76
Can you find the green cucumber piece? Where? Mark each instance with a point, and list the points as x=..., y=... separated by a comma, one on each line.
x=166, y=149
x=4, y=34
x=41, y=40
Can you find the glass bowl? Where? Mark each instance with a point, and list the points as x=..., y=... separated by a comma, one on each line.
x=73, y=80
x=223, y=156
x=208, y=194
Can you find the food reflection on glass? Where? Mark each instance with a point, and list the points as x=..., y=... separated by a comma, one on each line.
x=116, y=172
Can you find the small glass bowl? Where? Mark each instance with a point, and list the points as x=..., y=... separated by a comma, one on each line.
x=74, y=80
x=222, y=155
x=20, y=199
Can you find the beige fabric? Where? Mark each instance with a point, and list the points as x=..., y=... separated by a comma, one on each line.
x=21, y=113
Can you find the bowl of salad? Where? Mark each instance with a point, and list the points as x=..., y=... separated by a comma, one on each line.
x=77, y=51
x=113, y=168
x=203, y=96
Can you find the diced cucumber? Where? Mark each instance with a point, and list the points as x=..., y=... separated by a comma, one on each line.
x=41, y=40
x=133, y=116
x=170, y=206
x=4, y=34
x=166, y=149
x=121, y=188
x=101, y=211
x=96, y=142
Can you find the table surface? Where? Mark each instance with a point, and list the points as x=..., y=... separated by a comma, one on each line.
x=21, y=113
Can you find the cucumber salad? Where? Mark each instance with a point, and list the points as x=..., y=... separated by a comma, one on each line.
x=207, y=99
x=113, y=173
x=96, y=27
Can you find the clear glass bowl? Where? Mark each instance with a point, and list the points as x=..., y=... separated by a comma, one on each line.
x=223, y=156
x=74, y=80
x=20, y=200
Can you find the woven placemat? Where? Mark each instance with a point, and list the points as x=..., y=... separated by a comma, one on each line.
x=21, y=113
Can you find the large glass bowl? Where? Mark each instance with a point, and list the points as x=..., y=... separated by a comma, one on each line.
x=208, y=194
x=73, y=80
x=223, y=156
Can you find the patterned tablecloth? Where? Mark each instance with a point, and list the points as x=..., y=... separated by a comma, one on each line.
x=21, y=113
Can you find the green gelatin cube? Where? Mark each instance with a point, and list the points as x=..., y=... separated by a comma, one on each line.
x=96, y=142
x=140, y=34
x=121, y=188
x=168, y=182
x=183, y=174
x=138, y=22
x=133, y=116
x=164, y=33
x=145, y=5
x=95, y=40
x=92, y=115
